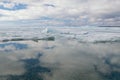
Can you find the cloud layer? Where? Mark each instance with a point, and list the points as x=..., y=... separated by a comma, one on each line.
x=61, y=12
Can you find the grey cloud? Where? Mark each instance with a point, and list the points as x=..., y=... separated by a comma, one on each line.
x=49, y=5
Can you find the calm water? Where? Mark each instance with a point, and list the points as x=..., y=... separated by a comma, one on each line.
x=59, y=60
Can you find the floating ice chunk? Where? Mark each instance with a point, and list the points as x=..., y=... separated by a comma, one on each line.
x=84, y=34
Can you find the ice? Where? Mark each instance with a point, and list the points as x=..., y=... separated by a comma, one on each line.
x=82, y=34
x=91, y=34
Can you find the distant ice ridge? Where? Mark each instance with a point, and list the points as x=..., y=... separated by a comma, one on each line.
x=82, y=34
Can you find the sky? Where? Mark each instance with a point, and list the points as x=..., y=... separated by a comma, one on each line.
x=59, y=13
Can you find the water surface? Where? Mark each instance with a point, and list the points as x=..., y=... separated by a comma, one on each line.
x=59, y=60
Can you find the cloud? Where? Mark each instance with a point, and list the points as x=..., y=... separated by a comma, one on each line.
x=77, y=12
x=7, y=5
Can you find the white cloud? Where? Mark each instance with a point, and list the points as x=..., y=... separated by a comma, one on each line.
x=7, y=5
x=78, y=11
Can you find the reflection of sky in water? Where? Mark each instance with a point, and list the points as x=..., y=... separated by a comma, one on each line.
x=60, y=60
x=12, y=46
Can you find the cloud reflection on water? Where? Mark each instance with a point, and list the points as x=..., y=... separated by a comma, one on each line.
x=67, y=60
x=77, y=61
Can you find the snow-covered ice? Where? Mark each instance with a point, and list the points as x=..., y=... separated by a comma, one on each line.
x=83, y=34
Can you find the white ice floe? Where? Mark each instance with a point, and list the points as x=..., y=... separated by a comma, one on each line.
x=91, y=34
x=83, y=34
